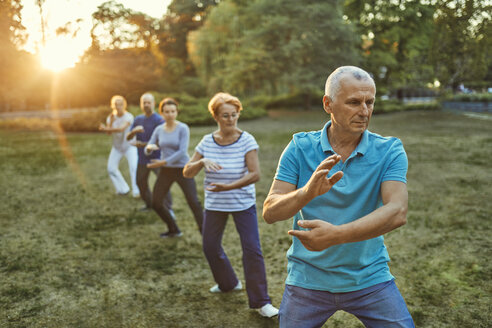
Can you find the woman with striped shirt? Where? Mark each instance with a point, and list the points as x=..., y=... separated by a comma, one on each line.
x=230, y=159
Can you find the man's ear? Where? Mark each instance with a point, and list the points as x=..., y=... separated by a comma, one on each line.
x=327, y=102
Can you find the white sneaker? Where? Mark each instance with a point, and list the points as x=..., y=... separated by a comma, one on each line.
x=216, y=289
x=268, y=310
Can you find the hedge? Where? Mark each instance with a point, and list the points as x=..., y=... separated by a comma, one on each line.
x=469, y=97
x=193, y=111
x=388, y=106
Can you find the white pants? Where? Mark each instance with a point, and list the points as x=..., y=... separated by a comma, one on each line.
x=114, y=173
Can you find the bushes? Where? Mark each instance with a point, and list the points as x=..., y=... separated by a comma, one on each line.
x=85, y=120
x=193, y=111
x=470, y=97
x=393, y=105
x=387, y=106
x=422, y=106
x=297, y=100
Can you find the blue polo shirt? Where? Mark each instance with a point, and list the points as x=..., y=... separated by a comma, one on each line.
x=352, y=266
x=149, y=124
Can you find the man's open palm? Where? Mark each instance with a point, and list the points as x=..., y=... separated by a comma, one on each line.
x=319, y=184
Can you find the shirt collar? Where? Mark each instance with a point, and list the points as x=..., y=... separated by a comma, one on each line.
x=363, y=143
x=326, y=147
x=325, y=144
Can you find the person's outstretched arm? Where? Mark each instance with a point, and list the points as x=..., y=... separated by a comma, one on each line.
x=388, y=217
x=134, y=131
x=253, y=175
x=196, y=163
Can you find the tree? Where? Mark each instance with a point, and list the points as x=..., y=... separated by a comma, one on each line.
x=183, y=17
x=40, y=4
x=115, y=26
x=395, y=38
x=461, y=45
x=272, y=46
x=13, y=62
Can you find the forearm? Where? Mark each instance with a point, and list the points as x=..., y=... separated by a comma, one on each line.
x=280, y=207
x=247, y=179
x=375, y=224
x=176, y=156
x=192, y=168
x=130, y=135
x=155, y=163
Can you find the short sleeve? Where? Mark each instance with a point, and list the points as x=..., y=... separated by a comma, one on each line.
x=129, y=118
x=134, y=124
x=251, y=143
x=288, y=166
x=398, y=164
x=154, y=137
x=200, y=148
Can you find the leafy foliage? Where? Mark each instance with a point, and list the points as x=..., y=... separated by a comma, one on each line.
x=271, y=46
x=461, y=48
x=254, y=49
x=470, y=97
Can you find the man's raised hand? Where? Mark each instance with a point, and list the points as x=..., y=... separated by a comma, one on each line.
x=319, y=183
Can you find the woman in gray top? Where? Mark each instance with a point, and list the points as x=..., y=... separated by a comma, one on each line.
x=172, y=138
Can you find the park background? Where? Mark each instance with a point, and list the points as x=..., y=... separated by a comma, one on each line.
x=73, y=254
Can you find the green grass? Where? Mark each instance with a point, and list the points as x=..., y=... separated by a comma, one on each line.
x=73, y=254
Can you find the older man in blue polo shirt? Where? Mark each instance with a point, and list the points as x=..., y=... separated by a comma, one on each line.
x=338, y=260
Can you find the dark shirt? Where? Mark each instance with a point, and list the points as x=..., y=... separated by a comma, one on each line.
x=149, y=124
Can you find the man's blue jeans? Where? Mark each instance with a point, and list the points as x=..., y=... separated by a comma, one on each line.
x=378, y=306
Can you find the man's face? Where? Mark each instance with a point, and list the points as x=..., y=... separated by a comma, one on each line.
x=147, y=105
x=353, y=105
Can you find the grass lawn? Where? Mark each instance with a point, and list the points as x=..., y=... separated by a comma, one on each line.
x=73, y=254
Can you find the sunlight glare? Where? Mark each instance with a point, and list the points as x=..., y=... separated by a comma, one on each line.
x=59, y=54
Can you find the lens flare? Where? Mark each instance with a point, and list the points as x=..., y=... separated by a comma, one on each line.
x=61, y=136
x=59, y=54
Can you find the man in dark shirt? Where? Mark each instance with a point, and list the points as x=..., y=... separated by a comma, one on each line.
x=142, y=128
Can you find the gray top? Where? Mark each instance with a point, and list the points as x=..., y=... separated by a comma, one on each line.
x=173, y=145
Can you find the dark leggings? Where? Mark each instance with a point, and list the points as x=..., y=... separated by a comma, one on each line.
x=143, y=173
x=167, y=176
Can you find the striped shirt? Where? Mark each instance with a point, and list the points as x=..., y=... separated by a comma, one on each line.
x=232, y=158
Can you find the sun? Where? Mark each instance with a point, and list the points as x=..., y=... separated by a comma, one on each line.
x=59, y=54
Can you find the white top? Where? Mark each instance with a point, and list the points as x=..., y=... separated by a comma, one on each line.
x=233, y=161
x=173, y=145
x=119, y=138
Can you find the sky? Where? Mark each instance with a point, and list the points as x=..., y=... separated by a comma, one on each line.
x=57, y=13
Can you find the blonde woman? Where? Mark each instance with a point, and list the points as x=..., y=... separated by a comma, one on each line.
x=118, y=125
x=230, y=159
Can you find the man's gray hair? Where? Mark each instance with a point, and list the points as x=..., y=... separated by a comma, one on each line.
x=333, y=85
x=147, y=95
